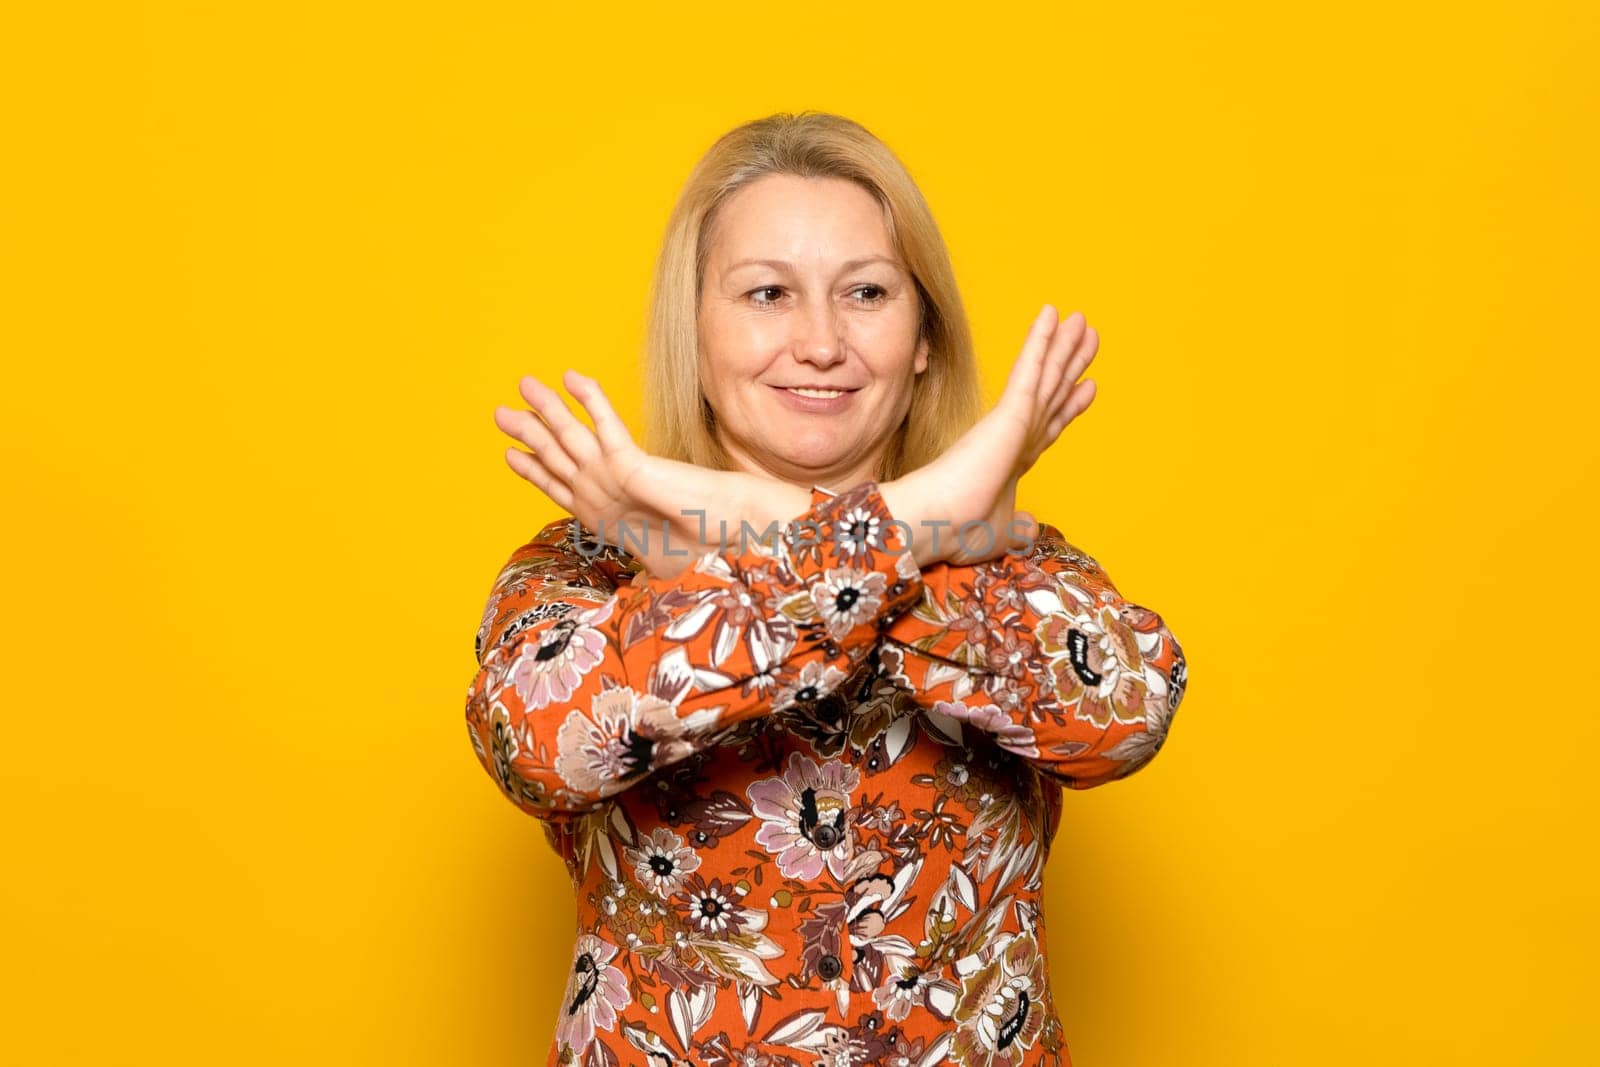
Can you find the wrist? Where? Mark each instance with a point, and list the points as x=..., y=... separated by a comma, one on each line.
x=908, y=501
x=768, y=500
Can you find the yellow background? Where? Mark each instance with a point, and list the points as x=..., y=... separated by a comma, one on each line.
x=270, y=267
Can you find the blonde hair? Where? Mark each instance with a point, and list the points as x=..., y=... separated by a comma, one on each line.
x=946, y=398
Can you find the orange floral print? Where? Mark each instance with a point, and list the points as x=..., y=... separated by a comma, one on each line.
x=805, y=791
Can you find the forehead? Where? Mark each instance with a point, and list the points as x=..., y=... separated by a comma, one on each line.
x=783, y=216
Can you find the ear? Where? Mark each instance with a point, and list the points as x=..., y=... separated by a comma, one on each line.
x=921, y=362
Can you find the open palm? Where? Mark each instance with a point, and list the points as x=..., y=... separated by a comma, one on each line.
x=671, y=511
x=974, y=482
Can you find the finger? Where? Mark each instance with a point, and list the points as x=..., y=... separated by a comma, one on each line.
x=578, y=440
x=1080, y=361
x=1088, y=346
x=529, y=429
x=544, y=400
x=533, y=469
x=530, y=467
x=609, y=427
x=1066, y=340
x=1022, y=383
x=1078, y=402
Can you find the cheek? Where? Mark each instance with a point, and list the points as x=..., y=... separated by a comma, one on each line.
x=738, y=347
x=723, y=354
x=889, y=344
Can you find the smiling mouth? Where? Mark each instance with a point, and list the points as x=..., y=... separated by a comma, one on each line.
x=820, y=394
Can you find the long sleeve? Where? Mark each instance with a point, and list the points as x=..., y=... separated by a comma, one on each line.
x=1041, y=652
x=586, y=686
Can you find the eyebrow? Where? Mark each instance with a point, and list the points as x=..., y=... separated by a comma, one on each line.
x=783, y=264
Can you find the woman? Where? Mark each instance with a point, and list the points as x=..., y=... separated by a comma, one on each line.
x=805, y=783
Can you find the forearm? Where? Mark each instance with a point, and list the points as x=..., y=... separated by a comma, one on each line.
x=1044, y=653
x=909, y=500
x=580, y=694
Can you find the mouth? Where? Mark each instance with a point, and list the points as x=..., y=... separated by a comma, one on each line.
x=816, y=392
x=816, y=400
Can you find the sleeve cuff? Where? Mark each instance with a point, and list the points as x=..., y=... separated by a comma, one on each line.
x=854, y=560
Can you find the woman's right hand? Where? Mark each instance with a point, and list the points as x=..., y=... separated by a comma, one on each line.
x=975, y=480
x=608, y=483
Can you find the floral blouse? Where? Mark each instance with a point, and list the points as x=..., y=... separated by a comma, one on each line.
x=804, y=791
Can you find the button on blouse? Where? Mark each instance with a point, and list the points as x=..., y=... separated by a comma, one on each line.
x=804, y=790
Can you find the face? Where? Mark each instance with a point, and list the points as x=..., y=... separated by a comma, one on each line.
x=809, y=338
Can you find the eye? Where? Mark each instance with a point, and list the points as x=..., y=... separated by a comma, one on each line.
x=879, y=290
x=764, y=289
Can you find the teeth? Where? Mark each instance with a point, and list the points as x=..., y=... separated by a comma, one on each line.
x=821, y=394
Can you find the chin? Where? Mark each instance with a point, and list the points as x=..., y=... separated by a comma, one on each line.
x=822, y=448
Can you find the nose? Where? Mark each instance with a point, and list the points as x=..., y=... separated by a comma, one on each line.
x=818, y=339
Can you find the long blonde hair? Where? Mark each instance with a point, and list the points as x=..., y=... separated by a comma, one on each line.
x=947, y=397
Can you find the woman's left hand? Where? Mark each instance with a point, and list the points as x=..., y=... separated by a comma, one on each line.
x=972, y=486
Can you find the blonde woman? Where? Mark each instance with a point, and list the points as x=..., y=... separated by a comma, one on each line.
x=796, y=689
